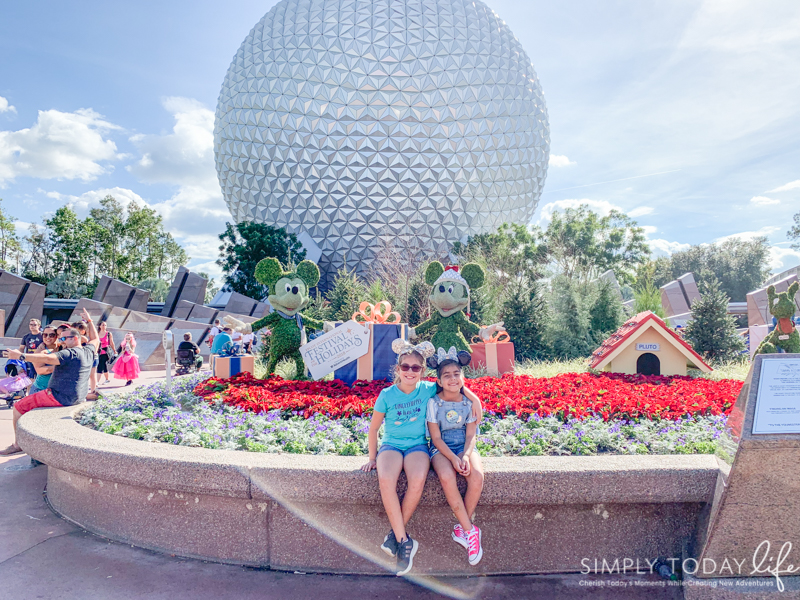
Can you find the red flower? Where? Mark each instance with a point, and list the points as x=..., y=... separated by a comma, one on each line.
x=609, y=395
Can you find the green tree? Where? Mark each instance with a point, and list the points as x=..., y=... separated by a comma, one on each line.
x=245, y=244
x=794, y=233
x=569, y=331
x=606, y=313
x=739, y=266
x=158, y=288
x=712, y=332
x=72, y=244
x=648, y=297
x=525, y=315
x=64, y=285
x=512, y=252
x=346, y=293
x=582, y=244
x=211, y=287
x=10, y=245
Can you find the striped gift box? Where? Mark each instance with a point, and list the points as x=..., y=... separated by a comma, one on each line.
x=228, y=366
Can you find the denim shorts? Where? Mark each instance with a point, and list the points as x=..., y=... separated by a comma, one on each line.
x=417, y=448
x=455, y=449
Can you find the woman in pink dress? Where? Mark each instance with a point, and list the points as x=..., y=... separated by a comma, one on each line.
x=127, y=364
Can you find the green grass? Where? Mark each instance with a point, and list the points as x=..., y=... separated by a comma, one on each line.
x=545, y=368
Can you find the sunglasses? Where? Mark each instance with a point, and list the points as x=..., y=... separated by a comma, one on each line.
x=48, y=335
x=66, y=337
x=412, y=368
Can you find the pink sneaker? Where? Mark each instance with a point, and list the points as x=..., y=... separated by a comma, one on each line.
x=474, y=546
x=459, y=537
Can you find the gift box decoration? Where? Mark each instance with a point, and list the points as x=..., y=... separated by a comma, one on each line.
x=228, y=366
x=379, y=361
x=495, y=354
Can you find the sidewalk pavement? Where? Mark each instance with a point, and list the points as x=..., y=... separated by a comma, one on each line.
x=43, y=556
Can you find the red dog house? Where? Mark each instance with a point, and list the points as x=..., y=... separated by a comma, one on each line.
x=646, y=345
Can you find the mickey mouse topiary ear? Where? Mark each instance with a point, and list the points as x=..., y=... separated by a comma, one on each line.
x=433, y=272
x=268, y=271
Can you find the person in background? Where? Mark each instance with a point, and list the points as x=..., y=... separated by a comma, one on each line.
x=248, y=341
x=31, y=341
x=188, y=344
x=43, y=372
x=220, y=340
x=106, y=342
x=237, y=338
x=69, y=383
x=215, y=331
x=81, y=326
x=127, y=365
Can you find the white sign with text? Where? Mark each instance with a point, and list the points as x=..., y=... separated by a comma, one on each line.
x=778, y=399
x=648, y=347
x=335, y=349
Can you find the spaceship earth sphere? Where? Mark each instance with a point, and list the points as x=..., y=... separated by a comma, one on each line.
x=366, y=123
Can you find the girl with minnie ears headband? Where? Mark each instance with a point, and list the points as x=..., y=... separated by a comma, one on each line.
x=453, y=430
x=401, y=409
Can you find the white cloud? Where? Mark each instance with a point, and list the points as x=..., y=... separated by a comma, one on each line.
x=662, y=247
x=649, y=229
x=183, y=157
x=640, y=211
x=59, y=145
x=559, y=160
x=749, y=235
x=763, y=201
x=792, y=185
x=783, y=258
x=5, y=106
x=91, y=199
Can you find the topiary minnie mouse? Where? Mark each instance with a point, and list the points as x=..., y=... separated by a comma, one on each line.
x=450, y=296
x=288, y=295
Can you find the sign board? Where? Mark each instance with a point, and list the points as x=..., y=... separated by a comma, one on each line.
x=778, y=399
x=336, y=348
x=648, y=347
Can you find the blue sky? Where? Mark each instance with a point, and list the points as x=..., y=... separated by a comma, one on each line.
x=682, y=114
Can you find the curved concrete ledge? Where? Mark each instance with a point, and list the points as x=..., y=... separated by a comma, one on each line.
x=321, y=513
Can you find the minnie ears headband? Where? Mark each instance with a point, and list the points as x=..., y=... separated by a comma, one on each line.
x=462, y=357
x=401, y=347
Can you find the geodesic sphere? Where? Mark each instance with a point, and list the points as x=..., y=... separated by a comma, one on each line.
x=363, y=122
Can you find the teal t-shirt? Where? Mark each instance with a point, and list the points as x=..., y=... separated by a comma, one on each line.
x=404, y=425
x=219, y=341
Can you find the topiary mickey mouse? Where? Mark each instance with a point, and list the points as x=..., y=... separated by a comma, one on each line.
x=288, y=295
x=450, y=296
x=784, y=338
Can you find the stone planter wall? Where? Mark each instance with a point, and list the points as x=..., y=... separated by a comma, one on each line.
x=322, y=514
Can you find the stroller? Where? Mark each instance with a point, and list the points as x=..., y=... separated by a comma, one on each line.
x=15, y=386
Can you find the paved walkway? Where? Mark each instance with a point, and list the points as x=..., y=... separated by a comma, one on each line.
x=45, y=557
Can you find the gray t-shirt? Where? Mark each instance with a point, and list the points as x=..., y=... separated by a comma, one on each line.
x=70, y=380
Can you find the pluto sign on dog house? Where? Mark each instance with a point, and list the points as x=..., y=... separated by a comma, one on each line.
x=646, y=345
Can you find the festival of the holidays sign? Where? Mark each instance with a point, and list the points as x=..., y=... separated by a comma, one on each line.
x=778, y=400
x=336, y=348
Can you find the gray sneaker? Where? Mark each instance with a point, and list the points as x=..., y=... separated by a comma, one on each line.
x=405, y=555
x=389, y=544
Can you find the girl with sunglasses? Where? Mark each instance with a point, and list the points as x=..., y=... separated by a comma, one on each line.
x=400, y=408
x=43, y=372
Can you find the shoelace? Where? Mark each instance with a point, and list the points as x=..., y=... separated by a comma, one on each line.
x=474, y=541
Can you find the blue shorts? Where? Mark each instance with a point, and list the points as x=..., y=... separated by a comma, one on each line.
x=417, y=448
x=454, y=448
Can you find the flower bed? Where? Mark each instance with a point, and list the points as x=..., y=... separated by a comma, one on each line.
x=569, y=395
x=570, y=414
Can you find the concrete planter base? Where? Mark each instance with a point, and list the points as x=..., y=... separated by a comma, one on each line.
x=321, y=514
